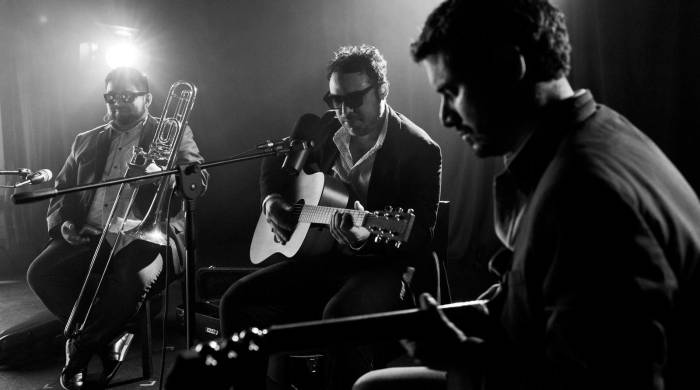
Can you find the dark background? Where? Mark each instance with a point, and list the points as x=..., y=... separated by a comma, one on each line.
x=260, y=64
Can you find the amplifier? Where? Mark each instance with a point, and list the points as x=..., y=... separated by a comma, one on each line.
x=206, y=315
x=212, y=282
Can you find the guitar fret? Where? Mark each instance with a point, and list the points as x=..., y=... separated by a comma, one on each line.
x=324, y=214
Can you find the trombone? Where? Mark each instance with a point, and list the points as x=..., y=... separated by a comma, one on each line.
x=162, y=152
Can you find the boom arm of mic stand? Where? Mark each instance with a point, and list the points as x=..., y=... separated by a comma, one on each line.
x=36, y=196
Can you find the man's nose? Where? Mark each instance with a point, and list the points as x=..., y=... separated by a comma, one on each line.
x=447, y=115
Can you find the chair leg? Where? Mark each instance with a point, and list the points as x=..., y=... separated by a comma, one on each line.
x=147, y=344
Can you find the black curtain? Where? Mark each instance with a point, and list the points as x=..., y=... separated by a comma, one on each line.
x=260, y=65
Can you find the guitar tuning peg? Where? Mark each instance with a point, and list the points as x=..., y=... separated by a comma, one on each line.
x=389, y=208
x=397, y=244
x=399, y=210
x=377, y=239
x=410, y=211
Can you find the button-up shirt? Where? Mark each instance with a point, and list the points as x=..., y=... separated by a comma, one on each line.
x=357, y=173
x=120, y=152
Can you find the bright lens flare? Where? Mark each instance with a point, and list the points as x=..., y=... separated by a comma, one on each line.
x=123, y=54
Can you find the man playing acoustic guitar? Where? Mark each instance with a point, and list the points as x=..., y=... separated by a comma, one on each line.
x=384, y=160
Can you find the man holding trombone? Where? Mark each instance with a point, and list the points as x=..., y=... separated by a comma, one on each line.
x=77, y=221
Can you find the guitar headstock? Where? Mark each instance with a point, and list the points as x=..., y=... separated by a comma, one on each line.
x=390, y=225
x=216, y=360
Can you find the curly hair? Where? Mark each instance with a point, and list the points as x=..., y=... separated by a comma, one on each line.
x=536, y=27
x=124, y=73
x=364, y=58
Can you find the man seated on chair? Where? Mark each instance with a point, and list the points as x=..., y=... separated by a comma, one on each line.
x=385, y=160
x=75, y=223
x=602, y=288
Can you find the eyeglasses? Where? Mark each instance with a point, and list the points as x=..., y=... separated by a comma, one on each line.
x=124, y=97
x=351, y=100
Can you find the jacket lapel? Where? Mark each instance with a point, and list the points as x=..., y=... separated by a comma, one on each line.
x=100, y=156
x=385, y=170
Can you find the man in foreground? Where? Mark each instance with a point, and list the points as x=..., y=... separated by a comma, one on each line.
x=604, y=231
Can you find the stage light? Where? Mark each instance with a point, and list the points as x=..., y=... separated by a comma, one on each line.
x=123, y=54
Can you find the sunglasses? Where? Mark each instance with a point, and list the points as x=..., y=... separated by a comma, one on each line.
x=124, y=97
x=351, y=100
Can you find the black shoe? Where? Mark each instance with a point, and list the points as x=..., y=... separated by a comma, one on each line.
x=72, y=379
x=113, y=355
x=74, y=372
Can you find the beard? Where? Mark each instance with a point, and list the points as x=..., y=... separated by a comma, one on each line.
x=125, y=118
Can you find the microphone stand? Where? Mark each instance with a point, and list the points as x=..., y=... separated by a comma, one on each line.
x=22, y=172
x=18, y=172
x=190, y=187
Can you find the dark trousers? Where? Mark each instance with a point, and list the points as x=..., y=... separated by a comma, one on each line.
x=57, y=274
x=311, y=289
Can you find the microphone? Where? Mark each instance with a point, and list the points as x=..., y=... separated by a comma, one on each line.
x=301, y=143
x=38, y=177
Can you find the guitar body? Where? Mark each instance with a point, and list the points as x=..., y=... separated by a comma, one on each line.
x=308, y=239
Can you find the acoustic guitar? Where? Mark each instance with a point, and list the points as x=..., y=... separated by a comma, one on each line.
x=316, y=198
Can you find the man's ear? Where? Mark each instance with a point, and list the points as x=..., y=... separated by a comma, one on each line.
x=383, y=91
x=511, y=63
x=149, y=99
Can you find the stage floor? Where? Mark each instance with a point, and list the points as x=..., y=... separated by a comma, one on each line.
x=18, y=304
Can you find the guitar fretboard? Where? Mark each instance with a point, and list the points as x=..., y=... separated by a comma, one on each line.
x=324, y=214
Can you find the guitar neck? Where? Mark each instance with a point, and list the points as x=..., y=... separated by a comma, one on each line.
x=412, y=323
x=324, y=214
x=217, y=360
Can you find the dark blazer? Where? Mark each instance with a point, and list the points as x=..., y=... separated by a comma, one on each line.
x=86, y=163
x=406, y=173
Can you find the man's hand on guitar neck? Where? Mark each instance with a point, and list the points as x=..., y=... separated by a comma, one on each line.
x=344, y=231
x=279, y=217
x=444, y=345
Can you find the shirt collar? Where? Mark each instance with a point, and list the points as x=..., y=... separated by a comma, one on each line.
x=528, y=163
x=341, y=138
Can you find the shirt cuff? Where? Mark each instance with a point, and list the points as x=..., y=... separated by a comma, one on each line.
x=269, y=197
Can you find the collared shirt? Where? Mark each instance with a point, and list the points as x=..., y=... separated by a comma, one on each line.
x=514, y=186
x=357, y=174
x=120, y=152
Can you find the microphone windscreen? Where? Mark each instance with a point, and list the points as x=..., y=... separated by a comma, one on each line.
x=41, y=176
x=47, y=173
x=305, y=126
x=304, y=130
